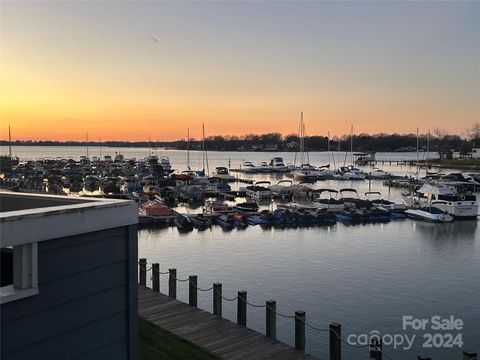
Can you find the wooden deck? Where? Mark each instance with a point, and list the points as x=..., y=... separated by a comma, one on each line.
x=220, y=337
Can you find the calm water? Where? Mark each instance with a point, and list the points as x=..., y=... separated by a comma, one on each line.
x=365, y=277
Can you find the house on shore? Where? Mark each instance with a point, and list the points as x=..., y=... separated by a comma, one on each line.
x=68, y=278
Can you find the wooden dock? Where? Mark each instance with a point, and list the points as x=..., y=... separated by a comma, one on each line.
x=218, y=336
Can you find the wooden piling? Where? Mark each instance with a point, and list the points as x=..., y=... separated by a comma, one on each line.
x=376, y=349
x=156, y=277
x=192, y=290
x=271, y=319
x=242, y=308
x=172, y=283
x=469, y=355
x=335, y=341
x=300, y=330
x=142, y=271
x=217, y=299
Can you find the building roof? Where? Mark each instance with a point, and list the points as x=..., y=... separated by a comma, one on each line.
x=29, y=218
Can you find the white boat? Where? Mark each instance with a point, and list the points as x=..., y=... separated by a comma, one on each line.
x=429, y=214
x=198, y=177
x=222, y=174
x=278, y=165
x=446, y=198
x=165, y=164
x=377, y=173
x=350, y=173
x=263, y=167
x=216, y=207
x=282, y=188
x=379, y=202
x=248, y=167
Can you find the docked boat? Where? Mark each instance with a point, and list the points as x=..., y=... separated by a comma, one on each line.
x=155, y=209
x=429, y=214
x=201, y=222
x=377, y=173
x=91, y=183
x=354, y=201
x=110, y=185
x=248, y=206
x=306, y=173
x=350, y=173
x=263, y=167
x=379, y=202
x=165, y=164
x=222, y=174
x=216, y=207
x=282, y=188
x=278, y=165
x=183, y=223
x=445, y=197
x=248, y=167
x=258, y=190
x=331, y=202
x=224, y=222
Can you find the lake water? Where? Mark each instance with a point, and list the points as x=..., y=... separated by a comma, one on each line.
x=365, y=277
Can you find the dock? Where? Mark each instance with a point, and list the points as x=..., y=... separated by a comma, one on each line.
x=218, y=336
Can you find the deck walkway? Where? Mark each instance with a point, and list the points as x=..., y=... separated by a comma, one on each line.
x=220, y=337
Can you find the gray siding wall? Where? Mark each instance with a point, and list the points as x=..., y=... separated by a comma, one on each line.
x=87, y=305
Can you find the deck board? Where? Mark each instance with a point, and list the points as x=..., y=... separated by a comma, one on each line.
x=220, y=337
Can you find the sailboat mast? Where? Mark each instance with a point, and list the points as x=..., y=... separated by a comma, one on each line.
x=10, y=146
x=87, y=145
x=188, y=148
x=351, y=143
x=100, y=147
x=302, y=143
x=203, y=147
x=428, y=150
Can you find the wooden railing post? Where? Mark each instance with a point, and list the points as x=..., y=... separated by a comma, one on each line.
x=376, y=349
x=423, y=357
x=217, y=299
x=335, y=341
x=469, y=355
x=242, y=308
x=192, y=290
x=142, y=271
x=271, y=319
x=156, y=277
x=172, y=283
x=300, y=330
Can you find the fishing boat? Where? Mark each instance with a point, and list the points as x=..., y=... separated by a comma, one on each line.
x=429, y=214
x=278, y=165
x=222, y=174
x=183, y=223
x=445, y=197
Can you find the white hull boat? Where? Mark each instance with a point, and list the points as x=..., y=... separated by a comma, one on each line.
x=429, y=214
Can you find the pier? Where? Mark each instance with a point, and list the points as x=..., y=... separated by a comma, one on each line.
x=229, y=340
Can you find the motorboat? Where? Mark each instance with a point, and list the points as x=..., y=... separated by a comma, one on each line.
x=445, y=197
x=183, y=223
x=91, y=183
x=224, y=222
x=379, y=202
x=258, y=190
x=354, y=201
x=350, y=173
x=278, y=165
x=216, y=207
x=429, y=214
x=201, y=222
x=282, y=188
x=248, y=206
x=222, y=174
x=248, y=167
x=377, y=173
x=110, y=185
x=263, y=167
x=331, y=202
x=154, y=208
x=306, y=173
x=165, y=164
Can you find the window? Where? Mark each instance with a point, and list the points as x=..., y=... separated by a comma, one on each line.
x=19, y=272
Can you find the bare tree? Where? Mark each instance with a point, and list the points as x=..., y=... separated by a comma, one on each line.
x=474, y=134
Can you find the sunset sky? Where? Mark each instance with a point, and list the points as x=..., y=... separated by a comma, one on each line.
x=127, y=70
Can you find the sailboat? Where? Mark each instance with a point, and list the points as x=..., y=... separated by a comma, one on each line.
x=350, y=172
x=199, y=177
x=306, y=172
